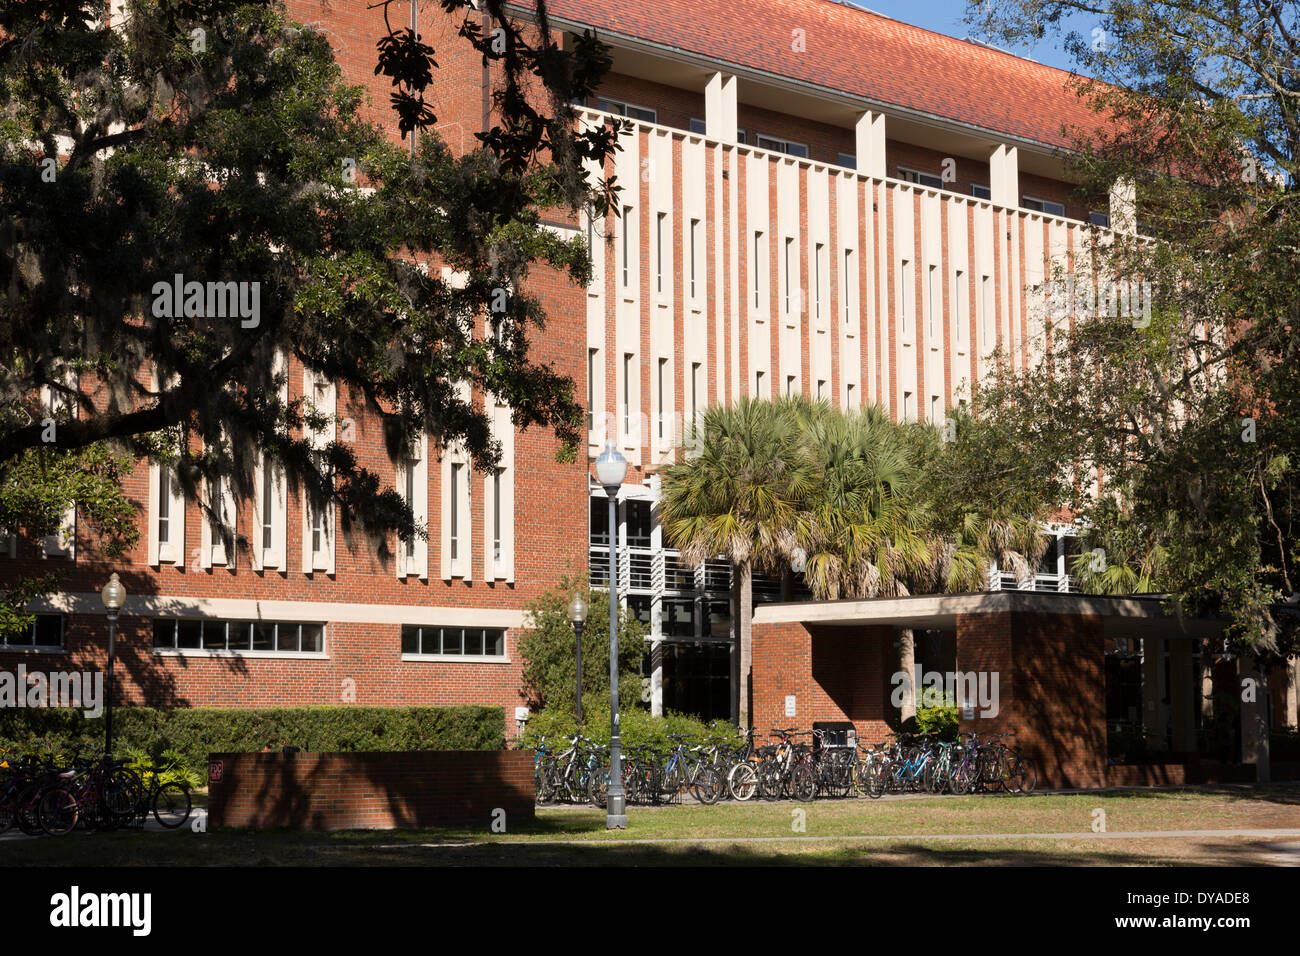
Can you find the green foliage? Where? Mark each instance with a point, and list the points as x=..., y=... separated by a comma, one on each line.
x=936, y=713
x=550, y=662
x=171, y=767
x=637, y=727
x=188, y=735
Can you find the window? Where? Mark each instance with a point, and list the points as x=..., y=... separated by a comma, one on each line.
x=663, y=368
x=932, y=306
x=165, y=493
x=789, y=245
x=281, y=637
x=1042, y=205
x=319, y=524
x=758, y=383
x=908, y=413
x=789, y=385
x=980, y=192
x=627, y=394
x=411, y=467
x=821, y=389
x=986, y=311
x=757, y=265
x=639, y=523
x=453, y=641
x=631, y=111
x=1100, y=219
x=740, y=136
x=781, y=146
x=659, y=251
x=496, y=515
x=847, y=160
x=46, y=631
x=695, y=386
x=268, y=509
x=849, y=276
x=934, y=409
x=627, y=242
x=818, y=256
x=454, y=502
x=851, y=397
x=961, y=307
x=591, y=389
x=921, y=179
x=695, y=228
x=904, y=294
x=699, y=126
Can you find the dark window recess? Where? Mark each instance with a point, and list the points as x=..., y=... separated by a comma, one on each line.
x=472, y=641
x=46, y=630
x=638, y=523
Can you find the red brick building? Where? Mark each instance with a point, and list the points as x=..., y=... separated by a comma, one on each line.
x=817, y=199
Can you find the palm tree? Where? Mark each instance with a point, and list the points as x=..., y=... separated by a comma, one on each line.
x=737, y=498
x=862, y=527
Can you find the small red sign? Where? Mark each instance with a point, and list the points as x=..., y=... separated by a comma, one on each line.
x=215, y=769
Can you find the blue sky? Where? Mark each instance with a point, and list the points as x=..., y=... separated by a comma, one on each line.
x=945, y=16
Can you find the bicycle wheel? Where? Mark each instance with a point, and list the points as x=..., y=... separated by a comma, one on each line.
x=26, y=809
x=803, y=783
x=123, y=796
x=171, y=805
x=769, y=781
x=709, y=786
x=1021, y=777
x=961, y=778
x=742, y=782
x=58, y=811
x=598, y=787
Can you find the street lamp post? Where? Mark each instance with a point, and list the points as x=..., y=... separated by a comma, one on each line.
x=611, y=469
x=578, y=615
x=113, y=595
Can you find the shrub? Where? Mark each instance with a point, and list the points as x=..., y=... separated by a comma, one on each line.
x=637, y=728
x=193, y=733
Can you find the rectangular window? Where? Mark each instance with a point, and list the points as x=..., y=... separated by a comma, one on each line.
x=640, y=524
x=695, y=384
x=627, y=242
x=1100, y=219
x=758, y=383
x=46, y=630
x=932, y=293
x=659, y=251
x=496, y=515
x=908, y=413
x=268, y=507
x=789, y=385
x=960, y=310
x=699, y=126
x=756, y=267
x=850, y=397
x=663, y=367
x=789, y=245
x=165, y=494
x=847, y=160
x=631, y=111
x=591, y=389
x=1042, y=205
x=904, y=294
x=849, y=276
x=627, y=393
x=786, y=146
x=817, y=280
x=695, y=228
x=282, y=637
x=821, y=389
x=934, y=409
x=410, y=468
x=986, y=311
x=920, y=178
x=980, y=191
x=454, y=502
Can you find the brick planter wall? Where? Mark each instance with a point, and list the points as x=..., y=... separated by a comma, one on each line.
x=370, y=791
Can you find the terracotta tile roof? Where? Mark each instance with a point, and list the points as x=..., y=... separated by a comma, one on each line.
x=858, y=52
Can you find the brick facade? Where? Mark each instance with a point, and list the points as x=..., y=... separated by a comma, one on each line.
x=371, y=791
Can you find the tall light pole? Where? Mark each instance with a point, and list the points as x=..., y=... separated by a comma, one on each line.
x=113, y=595
x=611, y=469
x=578, y=615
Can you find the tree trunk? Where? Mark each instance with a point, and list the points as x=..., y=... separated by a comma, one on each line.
x=907, y=665
x=735, y=646
x=746, y=638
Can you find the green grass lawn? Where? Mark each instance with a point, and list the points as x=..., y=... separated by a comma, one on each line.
x=831, y=834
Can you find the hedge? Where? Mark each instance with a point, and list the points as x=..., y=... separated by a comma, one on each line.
x=196, y=732
x=637, y=727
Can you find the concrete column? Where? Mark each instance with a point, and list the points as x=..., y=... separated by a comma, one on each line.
x=1292, y=669
x=720, y=121
x=1151, y=693
x=870, y=131
x=1004, y=176
x=1123, y=207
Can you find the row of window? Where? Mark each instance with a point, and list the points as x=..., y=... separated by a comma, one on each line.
x=214, y=635
x=457, y=641
x=46, y=630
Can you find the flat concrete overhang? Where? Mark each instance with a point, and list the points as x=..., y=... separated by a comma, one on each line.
x=1130, y=615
